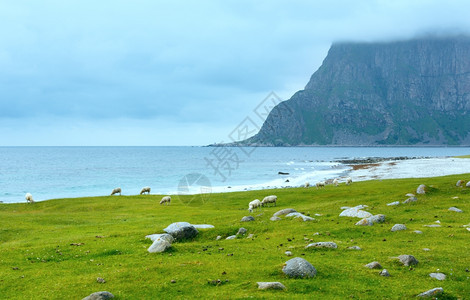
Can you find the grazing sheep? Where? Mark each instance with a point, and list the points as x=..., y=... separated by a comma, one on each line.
x=320, y=184
x=29, y=198
x=269, y=199
x=459, y=183
x=116, y=191
x=348, y=181
x=254, y=204
x=166, y=199
x=145, y=190
x=307, y=185
x=336, y=181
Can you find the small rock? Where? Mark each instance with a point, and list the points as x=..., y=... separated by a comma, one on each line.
x=232, y=237
x=299, y=267
x=438, y=276
x=173, y=281
x=408, y=260
x=459, y=183
x=218, y=238
x=385, y=273
x=418, y=232
x=393, y=203
x=274, y=218
x=100, y=280
x=432, y=293
x=411, y=199
x=354, y=248
x=288, y=253
x=284, y=211
x=410, y=195
x=455, y=209
x=355, y=212
x=163, y=236
x=373, y=265
x=250, y=236
x=299, y=215
x=247, y=219
x=468, y=184
x=426, y=249
x=241, y=231
x=330, y=245
x=203, y=226
x=159, y=246
x=270, y=286
x=181, y=230
x=432, y=225
x=99, y=296
x=398, y=227
x=421, y=189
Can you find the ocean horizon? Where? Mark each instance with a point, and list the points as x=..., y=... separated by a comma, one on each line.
x=51, y=172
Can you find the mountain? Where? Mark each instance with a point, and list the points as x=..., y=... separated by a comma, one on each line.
x=414, y=92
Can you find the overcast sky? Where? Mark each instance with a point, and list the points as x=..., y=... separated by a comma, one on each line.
x=147, y=72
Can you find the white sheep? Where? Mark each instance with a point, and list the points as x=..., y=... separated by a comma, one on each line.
x=116, y=191
x=166, y=199
x=254, y=204
x=307, y=185
x=269, y=199
x=336, y=181
x=348, y=181
x=145, y=190
x=320, y=184
x=29, y=198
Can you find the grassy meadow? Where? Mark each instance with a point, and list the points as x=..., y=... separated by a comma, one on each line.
x=57, y=249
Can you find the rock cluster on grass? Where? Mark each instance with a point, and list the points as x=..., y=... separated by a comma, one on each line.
x=270, y=286
x=298, y=267
x=99, y=296
x=175, y=231
x=431, y=293
x=398, y=227
x=329, y=245
x=408, y=260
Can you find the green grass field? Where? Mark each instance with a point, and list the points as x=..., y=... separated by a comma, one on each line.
x=57, y=249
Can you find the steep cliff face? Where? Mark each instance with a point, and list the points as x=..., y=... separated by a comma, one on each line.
x=414, y=92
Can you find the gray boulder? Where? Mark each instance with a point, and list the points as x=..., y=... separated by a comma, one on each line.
x=418, y=232
x=158, y=246
x=438, y=276
x=384, y=273
x=330, y=245
x=299, y=267
x=468, y=184
x=181, y=230
x=284, y=211
x=274, y=218
x=232, y=237
x=411, y=199
x=421, y=189
x=247, y=219
x=459, y=183
x=398, y=227
x=371, y=220
x=455, y=209
x=99, y=296
x=163, y=236
x=354, y=248
x=393, y=203
x=355, y=213
x=374, y=265
x=270, y=286
x=241, y=231
x=431, y=293
x=408, y=260
x=299, y=215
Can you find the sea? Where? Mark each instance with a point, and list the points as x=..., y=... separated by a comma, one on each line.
x=70, y=172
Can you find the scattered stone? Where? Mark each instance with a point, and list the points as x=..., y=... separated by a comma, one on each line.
x=284, y=211
x=418, y=232
x=408, y=260
x=274, y=218
x=181, y=230
x=250, y=236
x=247, y=219
x=398, y=227
x=355, y=213
x=163, y=236
x=159, y=245
x=468, y=228
x=330, y=245
x=374, y=265
x=410, y=199
x=219, y=237
x=241, y=231
x=100, y=280
x=438, y=276
x=203, y=226
x=371, y=220
x=99, y=296
x=468, y=184
x=384, y=273
x=432, y=293
x=232, y=237
x=410, y=195
x=432, y=225
x=426, y=249
x=288, y=253
x=299, y=215
x=455, y=209
x=299, y=267
x=354, y=248
x=173, y=281
x=459, y=183
x=421, y=189
x=393, y=203
x=270, y=286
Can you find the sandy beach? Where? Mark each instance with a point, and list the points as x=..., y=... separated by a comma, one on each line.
x=412, y=168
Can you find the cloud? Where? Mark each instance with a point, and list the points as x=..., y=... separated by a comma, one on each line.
x=204, y=63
